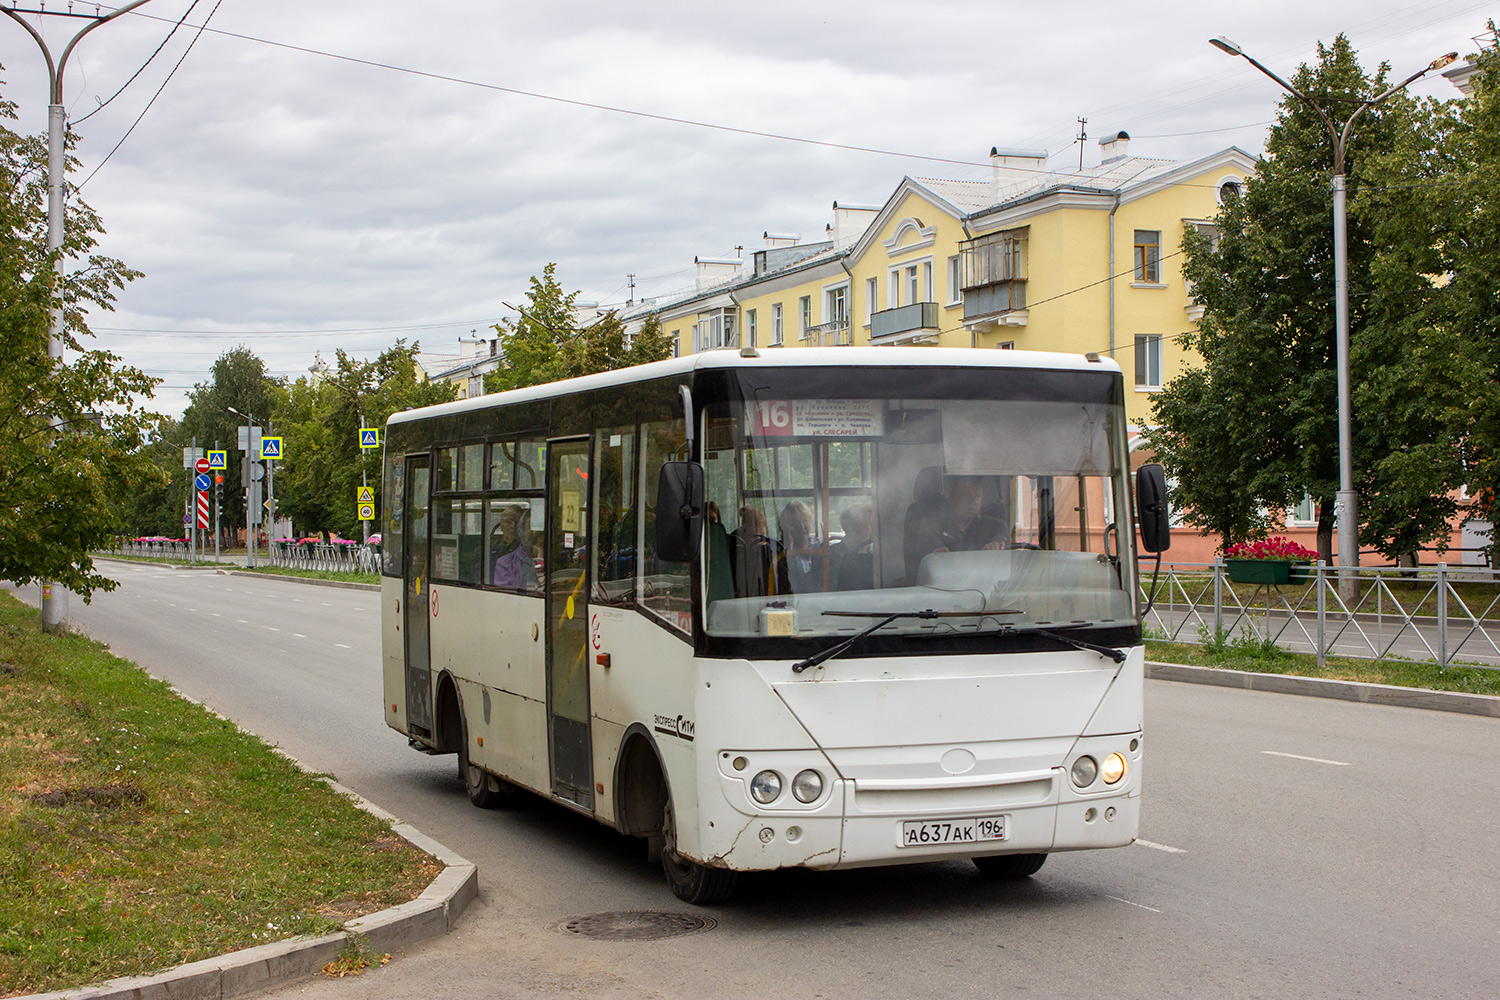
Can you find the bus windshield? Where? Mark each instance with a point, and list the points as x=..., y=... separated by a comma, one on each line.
x=994, y=512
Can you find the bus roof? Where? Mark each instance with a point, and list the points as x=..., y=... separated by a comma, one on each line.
x=802, y=357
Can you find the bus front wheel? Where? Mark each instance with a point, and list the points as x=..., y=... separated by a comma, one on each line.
x=484, y=789
x=1010, y=865
x=690, y=881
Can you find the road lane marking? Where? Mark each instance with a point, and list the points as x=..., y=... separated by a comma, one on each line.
x=242, y=621
x=1315, y=760
x=1129, y=903
x=299, y=635
x=216, y=614
x=340, y=645
x=1159, y=847
x=272, y=628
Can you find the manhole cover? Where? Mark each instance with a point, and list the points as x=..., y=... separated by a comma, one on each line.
x=636, y=925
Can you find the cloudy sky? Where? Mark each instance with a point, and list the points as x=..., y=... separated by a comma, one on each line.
x=333, y=174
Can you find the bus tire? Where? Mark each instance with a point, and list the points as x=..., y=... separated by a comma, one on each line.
x=1010, y=865
x=690, y=881
x=484, y=789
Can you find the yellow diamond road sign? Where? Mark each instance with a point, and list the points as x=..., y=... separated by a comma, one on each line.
x=364, y=494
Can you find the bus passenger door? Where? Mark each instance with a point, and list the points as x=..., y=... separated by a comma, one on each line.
x=568, y=621
x=418, y=594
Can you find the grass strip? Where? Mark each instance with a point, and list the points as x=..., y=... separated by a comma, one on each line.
x=1256, y=655
x=139, y=831
x=342, y=576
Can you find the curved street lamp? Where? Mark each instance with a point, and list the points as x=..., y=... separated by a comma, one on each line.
x=1347, y=500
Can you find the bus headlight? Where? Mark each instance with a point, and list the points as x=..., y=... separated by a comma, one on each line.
x=807, y=786
x=765, y=787
x=1113, y=769
x=1085, y=770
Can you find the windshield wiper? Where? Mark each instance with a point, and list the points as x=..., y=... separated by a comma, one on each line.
x=832, y=651
x=1114, y=654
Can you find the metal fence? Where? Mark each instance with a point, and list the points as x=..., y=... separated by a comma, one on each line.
x=1439, y=613
x=336, y=557
x=155, y=548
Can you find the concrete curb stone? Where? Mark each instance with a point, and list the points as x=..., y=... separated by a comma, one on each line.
x=432, y=914
x=1321, y=687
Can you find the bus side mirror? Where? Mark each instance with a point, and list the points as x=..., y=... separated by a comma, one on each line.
x=679, y=511
x=1151, y=507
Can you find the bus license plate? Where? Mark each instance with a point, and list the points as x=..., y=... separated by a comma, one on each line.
x=919, y=833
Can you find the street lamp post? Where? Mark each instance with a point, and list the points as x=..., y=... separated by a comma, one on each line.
x=1347, y=505
x=249, y=512
x=55, y=596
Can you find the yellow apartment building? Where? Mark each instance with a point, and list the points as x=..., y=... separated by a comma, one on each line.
x=1033, y=259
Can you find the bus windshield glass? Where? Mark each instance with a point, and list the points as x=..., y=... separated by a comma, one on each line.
x=998, y=499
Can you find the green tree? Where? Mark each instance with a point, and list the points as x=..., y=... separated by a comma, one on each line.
x=70, y=428
x=321, y=417
x=547, y=345
x=237, y=378
x=1258, y=424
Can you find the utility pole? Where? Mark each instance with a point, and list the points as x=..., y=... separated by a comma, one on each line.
x=1083, y=134
x=55, y=596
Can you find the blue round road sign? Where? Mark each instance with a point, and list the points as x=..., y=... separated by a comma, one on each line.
x=202, y=481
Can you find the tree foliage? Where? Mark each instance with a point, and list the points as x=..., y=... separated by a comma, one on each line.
x=238, y=378
x=1257, y=425
x=70, y=427
x=321, y=418
x=547, y=345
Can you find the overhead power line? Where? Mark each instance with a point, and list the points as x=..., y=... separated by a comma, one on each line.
x=105, y=103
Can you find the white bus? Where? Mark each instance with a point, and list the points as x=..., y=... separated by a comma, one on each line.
x=818, y=608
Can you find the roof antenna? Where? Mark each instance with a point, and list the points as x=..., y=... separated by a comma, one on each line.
x=1083, y=133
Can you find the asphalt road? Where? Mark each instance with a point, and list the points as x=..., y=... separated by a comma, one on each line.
x=1292, y=847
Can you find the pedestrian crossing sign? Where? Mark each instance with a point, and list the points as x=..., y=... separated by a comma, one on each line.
x=364, y=494
x=270, y=448
x=218, y=460
x=369, y=437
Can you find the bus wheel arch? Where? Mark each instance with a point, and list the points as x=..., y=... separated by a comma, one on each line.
x=641, y=790
x=447, y=723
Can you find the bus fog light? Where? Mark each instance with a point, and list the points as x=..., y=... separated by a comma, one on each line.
x=1113, y=769
x=1085, y=770
x=765, y=787
x=807, y=786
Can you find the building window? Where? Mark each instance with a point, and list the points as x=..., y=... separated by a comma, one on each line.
x=776, y=325
x=804, y=315
x=913, y=288
x=927, y=281
x=750, y=327
x=836, y=306
x=1148, y=361
x=1148, y=256
x=715, y=329
x=1006, y=345
x=872, y=295
x=955, y=281
x=1304, y=514
x=893, y=297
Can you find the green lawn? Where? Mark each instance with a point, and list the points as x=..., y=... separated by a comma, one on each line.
x=139, y=831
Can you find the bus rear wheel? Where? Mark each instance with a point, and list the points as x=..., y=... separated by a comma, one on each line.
x=1010, y=865
x=690, y=881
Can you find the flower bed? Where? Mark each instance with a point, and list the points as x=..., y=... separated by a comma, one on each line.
x=1269, y=560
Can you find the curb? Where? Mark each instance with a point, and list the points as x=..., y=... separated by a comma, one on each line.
x=1320, y=687
x=338, y=584
x=432, y=914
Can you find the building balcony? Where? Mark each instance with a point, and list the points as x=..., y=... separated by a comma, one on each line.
x=917, y=322
x=1001, y=303
x=835, y=334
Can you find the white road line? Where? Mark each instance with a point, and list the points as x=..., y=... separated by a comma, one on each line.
x=1159, y=847
x=299, y=635
x=242, y=621
x=1315, y=760
x=271, y=628
x=216, y=614
x=1129, y=903
x=340, y=645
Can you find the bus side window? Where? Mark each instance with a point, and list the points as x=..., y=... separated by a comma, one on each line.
x=457, y=539
x=663, y=588
x=615, y=513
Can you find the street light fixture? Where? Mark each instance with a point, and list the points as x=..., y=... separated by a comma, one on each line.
x=1347, y=500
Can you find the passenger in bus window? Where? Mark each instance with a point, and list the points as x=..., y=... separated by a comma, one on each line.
x=514, y=567
x=799, y=545
x=854, y=554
